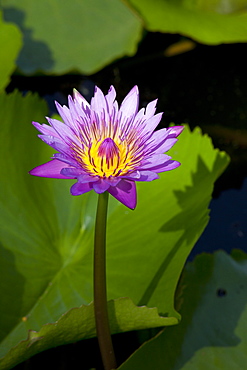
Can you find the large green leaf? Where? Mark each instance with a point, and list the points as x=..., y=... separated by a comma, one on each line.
x=200, y=20
x=47, y=235
x=61, y=35
x=212, y=333
x=10, y=44
x=78, y=323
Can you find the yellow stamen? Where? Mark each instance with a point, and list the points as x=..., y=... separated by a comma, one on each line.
x=106, y=157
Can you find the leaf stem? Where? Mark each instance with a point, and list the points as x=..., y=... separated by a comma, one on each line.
x=100, y=295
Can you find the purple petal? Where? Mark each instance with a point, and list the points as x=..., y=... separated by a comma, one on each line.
x=56, y=144
x=84, y=177
x=160, y=143
x=154, y=161
x=125, y=192
x=153, y=122
x=175, y=130
x=71, y=172
x=168, y=166
x=50, y=169
x=45, y=129
x=162, y=140
x=79, y=188
x=50, y=140
x=66, y=159
x=64, y=112
x=112, y=104
x=78, y=173
x=100, y=186
x=75, y=115
x=80, y=110
x=98, y=103
x=167, y=145
x=80, y=99
x=63, y=130
x=142, y=176
x=129, y=106
x=111, y=96
x=139, y=117
x=150, y=109
x=113, y=181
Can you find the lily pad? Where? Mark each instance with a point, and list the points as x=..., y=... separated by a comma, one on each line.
x=10, y=43
x=78, y=323
x=212, y=334
x=61, y=36
x=202, y=21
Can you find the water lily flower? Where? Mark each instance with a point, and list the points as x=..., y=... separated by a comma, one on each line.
x=106, y=147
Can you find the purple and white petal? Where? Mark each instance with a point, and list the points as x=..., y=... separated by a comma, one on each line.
x=175, y=130
x=45, y=129
x=159, y=145
x=153, y=161
x=143, y=176
x=125, y=192
x=50, y=169
x=129, y=106
x=110, y=97
x=83, y=103
x=98, y=102
x=152, y=123
x=163, y=140
x=75, y=115
x=67, y=134
x=167, y=145
x=64, y=112
x=151, y=109
x=139, y=118
x=168, y=166
x=56, y=144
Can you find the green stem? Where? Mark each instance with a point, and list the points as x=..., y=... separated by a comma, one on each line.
x=100, y=296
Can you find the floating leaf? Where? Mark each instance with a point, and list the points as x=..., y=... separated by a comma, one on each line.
x=61, y=36
x=212, y=334
x=10, y=43
x=199, y=20
x=78, y=323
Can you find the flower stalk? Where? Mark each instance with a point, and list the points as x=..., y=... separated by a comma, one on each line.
x=100, y=291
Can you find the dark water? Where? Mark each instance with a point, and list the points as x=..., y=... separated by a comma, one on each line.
x=227, y=228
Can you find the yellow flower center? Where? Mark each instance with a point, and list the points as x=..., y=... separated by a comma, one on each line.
x=107, y=157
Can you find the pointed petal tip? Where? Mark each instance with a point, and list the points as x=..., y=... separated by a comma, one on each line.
x=112, y=88
x=76, y=94
x=97, y=90
x=112, y=91
x=176, y=130
x=51, y=169
x=134, y=90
